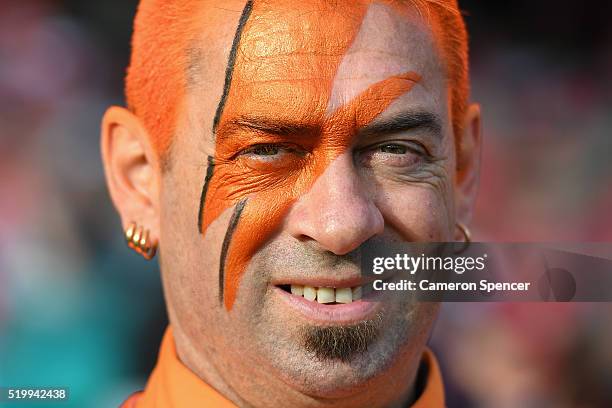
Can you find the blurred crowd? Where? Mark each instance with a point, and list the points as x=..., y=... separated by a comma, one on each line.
x=78, y=309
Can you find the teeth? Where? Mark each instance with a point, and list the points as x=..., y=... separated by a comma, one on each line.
x=310, y=293
x=326, y=295
x=356, y=292
x=344, y=295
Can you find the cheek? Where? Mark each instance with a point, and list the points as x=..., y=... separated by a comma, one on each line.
x=417, y=213
x=188, y=260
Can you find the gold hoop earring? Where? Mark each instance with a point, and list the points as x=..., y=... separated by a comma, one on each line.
x=467, y=237
x=137, y=238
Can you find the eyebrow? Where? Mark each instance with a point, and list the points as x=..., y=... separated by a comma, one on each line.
x=402, y=122
x=273, y=126
x=405, y=121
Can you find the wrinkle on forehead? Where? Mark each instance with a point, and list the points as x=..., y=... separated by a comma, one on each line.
x=388, y=43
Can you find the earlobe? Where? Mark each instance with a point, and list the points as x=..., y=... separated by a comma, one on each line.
x=131, y=168
x=468, y=164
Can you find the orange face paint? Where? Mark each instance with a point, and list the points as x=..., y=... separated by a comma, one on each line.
x=163, y=30
x=285, y=62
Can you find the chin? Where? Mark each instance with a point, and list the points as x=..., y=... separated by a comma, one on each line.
x=330, y=381
x=332, y=378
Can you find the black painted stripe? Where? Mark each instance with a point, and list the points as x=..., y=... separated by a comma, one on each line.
x=209, y=174
x=246, y=12
x=226, y=243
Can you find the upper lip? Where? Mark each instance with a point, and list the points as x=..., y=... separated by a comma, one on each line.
x=330, y=281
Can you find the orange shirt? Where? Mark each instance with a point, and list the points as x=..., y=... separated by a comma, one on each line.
x=172, y=385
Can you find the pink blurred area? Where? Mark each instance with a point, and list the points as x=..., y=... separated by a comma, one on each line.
x=546, y=176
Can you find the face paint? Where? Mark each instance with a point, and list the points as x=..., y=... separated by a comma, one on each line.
x=278, y=86
x=159, y=69
x=226, y=243
x=246, y=12
x=209, y=173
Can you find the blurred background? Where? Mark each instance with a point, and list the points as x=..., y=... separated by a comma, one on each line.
x=78, y=308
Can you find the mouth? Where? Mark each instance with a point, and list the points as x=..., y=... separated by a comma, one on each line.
x=325, y=295
x=330, y=301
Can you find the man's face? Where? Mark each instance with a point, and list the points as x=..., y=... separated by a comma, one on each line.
x=333, y=135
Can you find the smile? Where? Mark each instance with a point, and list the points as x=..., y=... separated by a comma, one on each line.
x=329, y=301
x=326, y=295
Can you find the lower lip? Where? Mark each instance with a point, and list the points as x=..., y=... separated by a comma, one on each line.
x=353, y=312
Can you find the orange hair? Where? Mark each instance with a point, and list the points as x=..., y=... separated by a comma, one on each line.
x=450, y=33
x=156, y=78
x=163, y=29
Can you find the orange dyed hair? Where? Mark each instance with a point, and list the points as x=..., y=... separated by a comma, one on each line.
x=451, y=35
x=156, y=78
x=163, y=30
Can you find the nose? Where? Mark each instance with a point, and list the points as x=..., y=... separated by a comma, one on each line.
x=337, y=212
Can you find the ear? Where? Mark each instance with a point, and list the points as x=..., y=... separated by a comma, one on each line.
x=132, y=169
x=468, y=165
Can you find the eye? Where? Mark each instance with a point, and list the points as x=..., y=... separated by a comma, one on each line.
x=393, y=148
x=402, y=154
x=264, y=150
x=271, y=156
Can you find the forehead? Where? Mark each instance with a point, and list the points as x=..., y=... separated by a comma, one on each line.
x=308, y=58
